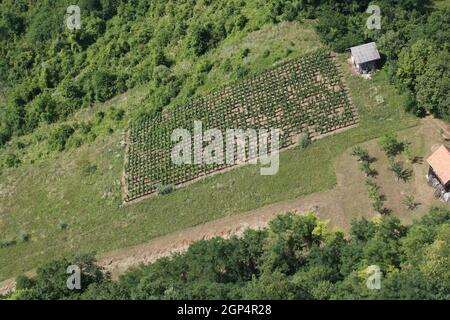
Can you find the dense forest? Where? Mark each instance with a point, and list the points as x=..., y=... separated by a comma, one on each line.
x=48, y=72
x=296, y=257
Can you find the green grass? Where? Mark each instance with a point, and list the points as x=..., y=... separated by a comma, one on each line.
x=441, y=4
x=38, y=197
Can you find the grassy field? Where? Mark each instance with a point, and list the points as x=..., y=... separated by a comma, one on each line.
x=441, y=4
x=81, y=188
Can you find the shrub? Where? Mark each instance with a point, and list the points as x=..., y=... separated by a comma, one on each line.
x=365, y=167
x=7, y=243
x=100, y=116
x=241, y=72
x=410, y=155
x=410, y=202
x=412, y=106
x=23, y=282
x=165, y=189
x=227, y=66
x=71, y=89
x=378, y=204
x=74, y=142
x=241, y=22
x=288, y=51
x=24, y=236
x=162, y=75
x=62, y=225
x=304, y=140
x=11, y=160
x=116, y=114
x=377, y=200
x=104, y=85
x=58, y=137
x=42, y=109
x=245, y=53
x=200, y=39
x=5, y=132
x=400, y=171
x=85, y=127
x=361, y=153
x=390, y=145
x=365, y=159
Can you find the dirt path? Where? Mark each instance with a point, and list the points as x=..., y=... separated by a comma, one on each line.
x=119, y=261
x=346, y=201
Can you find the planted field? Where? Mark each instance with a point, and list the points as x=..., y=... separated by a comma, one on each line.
x=305, y=95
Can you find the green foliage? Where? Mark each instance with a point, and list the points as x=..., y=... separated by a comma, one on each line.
x=104, y=85
x=204, y=37
x=118, y=47
x=7, y=243
x=412, y=37
x=365, y=161
x=5, y=133
x=165, y=189
x=289, y=240
x=401, y=173
x=338, y=29
x=59, y=136
x=245, y=52
x=292, y=259
x=71, y=90
x=62, y=225
x=24, y=236
x=367, y=169
x=362, y=229
x=273, y=286
x=43, y=109
x=410, y=202
x=413, y=61
x=412, y=106
x=24, y=282
x=50, y=282
x=43, y=27
x=390, y=145
x=304, y=140
x=120, y=44
x=376, y=198
x=116, y=114
x=433, y=85
x=11, y=160
x=361, y=153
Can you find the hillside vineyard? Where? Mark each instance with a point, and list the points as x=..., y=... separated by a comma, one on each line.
x=306, y=95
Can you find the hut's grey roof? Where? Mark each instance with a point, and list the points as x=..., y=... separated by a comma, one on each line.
x=365, y=53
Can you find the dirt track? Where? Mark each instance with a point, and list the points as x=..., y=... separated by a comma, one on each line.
x=119, y=261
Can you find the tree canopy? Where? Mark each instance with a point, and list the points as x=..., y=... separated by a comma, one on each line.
x=296, y=257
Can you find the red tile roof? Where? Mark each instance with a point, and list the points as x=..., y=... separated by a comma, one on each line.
x=440, y=162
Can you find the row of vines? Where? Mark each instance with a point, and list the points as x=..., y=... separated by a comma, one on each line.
x=300, y=96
